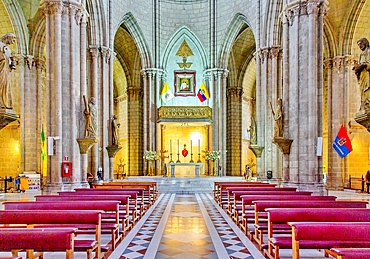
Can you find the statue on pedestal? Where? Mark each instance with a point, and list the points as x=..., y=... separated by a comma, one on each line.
x=7, y=64
x=278, y=117
x=115, y=126
x=362, y=71
x=91, y=118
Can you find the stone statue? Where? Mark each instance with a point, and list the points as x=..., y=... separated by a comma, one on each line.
x=253, y=132
x=362, y=72
x=278, y=117
x=115, y=126
x=91, y=118
x=7, y=63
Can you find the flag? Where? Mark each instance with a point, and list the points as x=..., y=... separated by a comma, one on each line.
x=166, y=94
x=342, y=143
x=203, y=93
x=43, y=149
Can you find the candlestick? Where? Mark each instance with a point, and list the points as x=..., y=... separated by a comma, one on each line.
x=178, y=151
x=191, y=152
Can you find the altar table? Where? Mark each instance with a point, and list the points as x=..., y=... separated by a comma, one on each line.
x=196, y=165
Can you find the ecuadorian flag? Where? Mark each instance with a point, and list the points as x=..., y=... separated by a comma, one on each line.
x=342, y=143
x=203, y=93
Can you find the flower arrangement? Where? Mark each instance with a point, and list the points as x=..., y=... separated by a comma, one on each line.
x=150, y=155
x=213, y=155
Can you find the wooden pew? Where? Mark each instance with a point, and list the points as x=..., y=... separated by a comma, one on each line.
x=134, y=208
x=110, y=208
x=235, y=203
x=248, y=214
x=150, y=187
x=40, y=240
x=278, y=219
x=220, y=193
x=139, y=199
x=261, y=206
x=123, y=199
x=84, y=221
x=350, y=253
x=326, y=235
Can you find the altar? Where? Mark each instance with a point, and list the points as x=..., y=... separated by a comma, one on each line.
x=196, y=168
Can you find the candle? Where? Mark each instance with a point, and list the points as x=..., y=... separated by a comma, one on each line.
x=198, y=146
x=191, y=147
x=178, y=146
x=171, y=146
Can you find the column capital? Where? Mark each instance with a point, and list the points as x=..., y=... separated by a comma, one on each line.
x=81, y=15
x=94, y=51
x=151, y=72
x=328, y=63
x=28, y=60
x=338, y=62
x=40, y=63
x=52, y=7
x=107, y=53
x=216, y=72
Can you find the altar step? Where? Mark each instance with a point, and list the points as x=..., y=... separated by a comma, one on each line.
x=185, y=185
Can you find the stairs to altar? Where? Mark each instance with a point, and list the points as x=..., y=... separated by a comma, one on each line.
x=184, y=185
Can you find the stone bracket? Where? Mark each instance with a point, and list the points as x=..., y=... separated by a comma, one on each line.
x=112, y=150
x=7, y=116
x=363, y=118
x=257, y=150
x=283, y=144
x=86, y=143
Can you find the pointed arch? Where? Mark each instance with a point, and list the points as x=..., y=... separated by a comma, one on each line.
x=19, y=24
x=181, y=34
x=235, y=26
x=129, y=21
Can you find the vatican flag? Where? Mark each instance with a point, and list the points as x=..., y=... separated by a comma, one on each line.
x=166, y=94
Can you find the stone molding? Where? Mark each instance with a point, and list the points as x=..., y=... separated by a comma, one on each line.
x=185, y=112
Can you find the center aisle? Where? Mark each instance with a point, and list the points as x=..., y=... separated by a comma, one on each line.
x=185, y=226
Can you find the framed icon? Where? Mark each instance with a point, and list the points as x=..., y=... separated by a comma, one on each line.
x=184, y=83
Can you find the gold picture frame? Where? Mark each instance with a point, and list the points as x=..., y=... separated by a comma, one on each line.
x=184, y=83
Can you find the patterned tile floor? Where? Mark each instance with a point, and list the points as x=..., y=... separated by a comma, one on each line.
x=185, y=226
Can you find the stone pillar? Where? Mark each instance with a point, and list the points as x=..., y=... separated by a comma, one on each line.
x=53, y=11
x=94, y=51
x=234, y=129
x=31, y=145
x=135, y=127
x=40, y=103
x=305, y=83
x=219, y=120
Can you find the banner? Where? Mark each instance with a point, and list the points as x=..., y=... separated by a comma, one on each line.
x=342, y=143
x=166, y=94
x=203, y=93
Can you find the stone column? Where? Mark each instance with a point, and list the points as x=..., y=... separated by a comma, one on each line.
x=304, y=28
x=53, y=11
x=94, y=52
x=40, y=103
x=31, y=148
x=135, y=127
x=234, y=129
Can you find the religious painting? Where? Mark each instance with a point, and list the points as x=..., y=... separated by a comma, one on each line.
x=184, y=83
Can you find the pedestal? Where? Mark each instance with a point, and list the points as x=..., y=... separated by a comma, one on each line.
x=85, y=144
x=7, y=116
x=283, y=144
x=257, y=150
x=112, y=151
x=363, y=118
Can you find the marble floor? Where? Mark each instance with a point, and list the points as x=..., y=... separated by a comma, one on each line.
x=186, y=226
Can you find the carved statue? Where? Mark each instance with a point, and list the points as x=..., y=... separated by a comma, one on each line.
x=253, y=132
x=115, y=126
x=278, y=117
x=7, y=63
x=91, y=118
x=362, y=72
